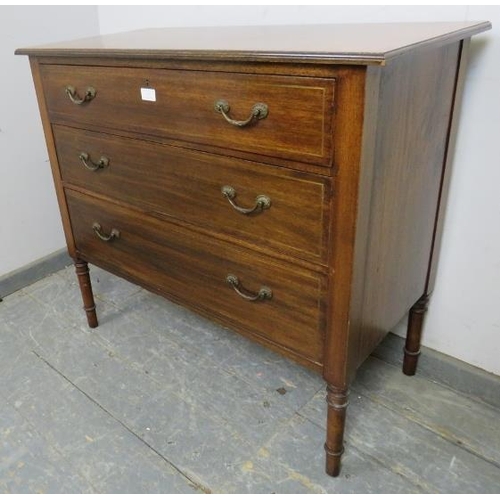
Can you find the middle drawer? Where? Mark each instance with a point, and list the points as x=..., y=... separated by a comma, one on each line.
x=259, y=204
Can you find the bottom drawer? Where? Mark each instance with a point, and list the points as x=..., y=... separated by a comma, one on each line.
x=245, y=290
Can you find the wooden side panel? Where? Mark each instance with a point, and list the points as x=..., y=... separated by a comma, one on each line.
x=416, y=100
x=49, y=139
x=443, y=197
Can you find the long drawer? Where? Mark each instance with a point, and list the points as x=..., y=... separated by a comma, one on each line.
x=288, y=117
x=245, y=290
x=291, y=214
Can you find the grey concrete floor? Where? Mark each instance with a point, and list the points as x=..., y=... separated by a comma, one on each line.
x=158, y=400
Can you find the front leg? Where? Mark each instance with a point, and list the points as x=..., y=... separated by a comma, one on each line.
x=335, y=424
x=82, y=272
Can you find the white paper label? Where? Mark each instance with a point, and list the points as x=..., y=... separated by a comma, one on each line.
x=148, y=94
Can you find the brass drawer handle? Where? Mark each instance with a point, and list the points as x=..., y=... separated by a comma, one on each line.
x=85, y=159
x=263, y=294
x=259, y=111
x=98, y=231
x=75, y=98
x=262, y=202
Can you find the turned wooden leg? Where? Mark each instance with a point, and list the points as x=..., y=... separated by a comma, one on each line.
x=334, y=446
x=82, y=271
x=414, y=334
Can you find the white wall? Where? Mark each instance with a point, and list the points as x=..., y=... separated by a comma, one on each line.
x=464, y=317
x=30, y=225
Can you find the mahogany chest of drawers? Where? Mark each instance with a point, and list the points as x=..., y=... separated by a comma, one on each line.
x=284, y=181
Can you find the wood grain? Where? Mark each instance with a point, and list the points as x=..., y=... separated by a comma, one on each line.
x=447, y=167
x=352, y=154
x=181, y=264
x=186, y=185
x=184, y=109
x=51, y=148
x=324, y=43
x=410, y=153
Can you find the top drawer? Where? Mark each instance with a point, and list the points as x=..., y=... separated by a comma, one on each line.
x=294, y=123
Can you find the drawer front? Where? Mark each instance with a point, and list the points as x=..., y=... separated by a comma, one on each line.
x=193, y=270
x=188, y=185
x=298, y=124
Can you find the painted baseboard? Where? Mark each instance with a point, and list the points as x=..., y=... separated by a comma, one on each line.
x=20, y=278
x=460, y=376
